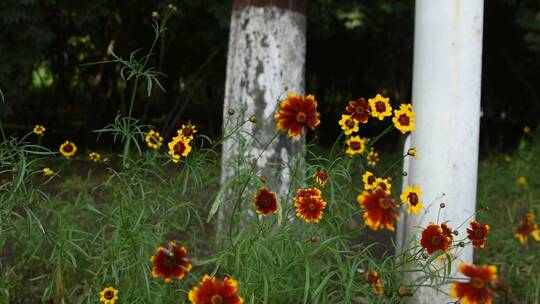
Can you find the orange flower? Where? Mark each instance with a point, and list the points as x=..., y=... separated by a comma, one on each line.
x=477, y=290
x=527, y=227
x=296, y=113
x=265, y=202
x=170, y=263
x=211, y=291
x=434, y=237
x=372, y=277
x=359, y=110
x=478, y=234
x=321, y=177
x=381, y=211
x=309, y=204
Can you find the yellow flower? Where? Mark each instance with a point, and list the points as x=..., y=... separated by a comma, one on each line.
x=412, y=152
x=94, y=156
x=39, y=130
x=355, y=145
x=348, y=125
x=369, y=180
x=404, y=118
x=108, y=295
x=383, y=184
x=187, y=131
x=527, y=130
x=373, y=157
x=47, y=171
x=522, y=181
x=68, y=149
x=380, y=107
x=178, y=147
x=508, y=158
x=153, y=139
x=411, y=197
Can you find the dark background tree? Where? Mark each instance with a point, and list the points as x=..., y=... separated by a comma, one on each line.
x=354, y=48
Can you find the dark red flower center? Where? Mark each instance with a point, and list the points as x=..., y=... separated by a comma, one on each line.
x=109, y=294
x=436, y=240
x=380, y=106
x=301, y=117
x=311, y=207
x=355, y=145
x=68, y=148
x=477, y=283
x=384, y=203
x=413, y=198
x=382, y=185
x=371, y=179
x=349, y=123
x=359, y=110
x=179, y=148
x=479, y=234
x=265, y=201
x=187, y=131
x=404, y=120
x=216, y=299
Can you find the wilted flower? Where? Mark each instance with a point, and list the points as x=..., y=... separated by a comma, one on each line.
x=170, y=263
x=321, y=177
x=265, y=202
x=372, y=277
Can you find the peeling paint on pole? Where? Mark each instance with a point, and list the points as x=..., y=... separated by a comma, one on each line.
x=266, y=59
x=446, y=98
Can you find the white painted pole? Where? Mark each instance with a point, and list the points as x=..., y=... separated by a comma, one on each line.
x=446, y=98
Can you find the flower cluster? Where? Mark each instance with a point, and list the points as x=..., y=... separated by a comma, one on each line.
x=179, y=146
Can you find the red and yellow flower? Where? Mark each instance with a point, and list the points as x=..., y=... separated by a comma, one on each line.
x=212, y=291
x=380, y=210
x=372, y=277
x=39, y=130
x=348, y=124
x=359, y=110
x=179, y=147
x=153, y=139
x=373, y=157
x=380, y=107
x=187, y=131
x=94, y=156
x=68, y=149
x=383, y=184
x=478, y=234
x=321, y=177
x=527, y=227
x=477, y=290
x=356, y=145
x=411, y=197
x=170, y=263
x=296, y=113
x=309, y=204
x=434, y=238
x=404, y=118
x=108, y=295
x=369, y=180
x=265, y=202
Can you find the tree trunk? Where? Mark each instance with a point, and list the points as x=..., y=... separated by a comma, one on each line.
x=267, y=46
x=446, y=98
